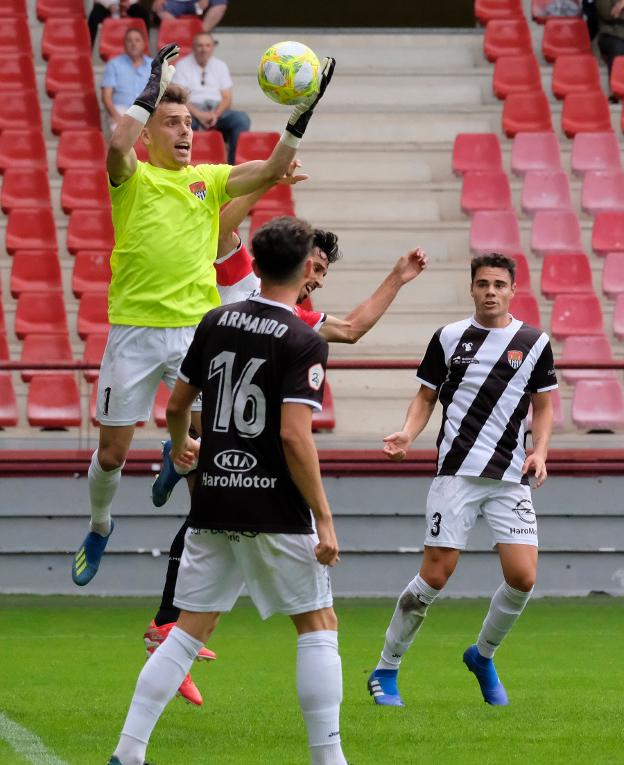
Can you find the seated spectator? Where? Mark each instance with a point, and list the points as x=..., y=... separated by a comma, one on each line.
x=208, y=79
x=125, y=76
x=103, y=9
x=611, y=29
x=212, y=10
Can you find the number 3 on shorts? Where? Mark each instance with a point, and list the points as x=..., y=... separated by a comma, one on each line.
x=435, y=526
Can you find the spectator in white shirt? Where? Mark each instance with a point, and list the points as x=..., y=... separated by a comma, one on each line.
x=104, y=9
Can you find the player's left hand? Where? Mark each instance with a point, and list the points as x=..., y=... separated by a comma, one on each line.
x=535, y=465
x=396, y=446
x=300, y=115
x=291, y=177
x=187, y=456
x=410, y=265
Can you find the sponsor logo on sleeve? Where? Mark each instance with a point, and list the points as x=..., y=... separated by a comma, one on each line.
x=316, y=375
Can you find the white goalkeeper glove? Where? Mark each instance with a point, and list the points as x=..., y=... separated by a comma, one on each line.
x=300, y=116
x=160, y=77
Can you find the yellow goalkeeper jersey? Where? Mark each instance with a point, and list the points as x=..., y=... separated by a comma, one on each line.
x=166, y=231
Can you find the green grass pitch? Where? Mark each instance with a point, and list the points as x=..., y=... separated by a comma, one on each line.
x=68, y=668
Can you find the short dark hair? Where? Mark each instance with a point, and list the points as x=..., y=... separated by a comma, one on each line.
x=175, y=94
x=327, y=242
x=280, y=247
x=493, y=260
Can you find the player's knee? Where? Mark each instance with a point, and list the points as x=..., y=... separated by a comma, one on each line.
x=111, y=458
x=522, y=580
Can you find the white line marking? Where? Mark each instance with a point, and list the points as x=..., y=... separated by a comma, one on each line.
x=26, y=744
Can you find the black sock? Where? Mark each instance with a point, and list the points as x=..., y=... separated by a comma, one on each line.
x=167, y=612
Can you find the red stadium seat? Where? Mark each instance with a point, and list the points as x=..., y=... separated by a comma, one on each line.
x=15, y=36
x=75, y=111
x=485, y=191
x=524, y=306
x=13, y=8
x=598, y=405
x=613, y=275
x=62, y=8
x=65, y=36
x=20, y=109
x=85, y=190
x=585, y=113
x=588, y=349
x=48, y=348
x=92, y=314
x=535, y=151
x=141, y=150
x=494, y=231
x=35, y=271
x=526, y=113
x=516, y=74
x=523, y=275
x=92, y=354
x=19, y=73
x=160, y=405
x=618, y=318
x=558, y=416
x=90, y=230
x=81, y=149
x=8, y=402
x=488, y=10
x=25, y=188
x=476, y=151
x=2, y=322
x=69, y=73
x=617, y=77
x=565, y=37
x=595, y=151
x=4, y=347
x=40, y=313
x=608, y=233
x=602, y=191
x=30, y=229
x=259, y=218
x=555, y=231
x=22, y=149
x=208, y=148
x=253, y=144
x=182, y=30
x=545, y=190
x=566, y=273
x=112, y=33
x=53, y=401
x=277, y=199
x=92, y=272
x=326, y=418
x=576, y=315
x=506, y=37
x=575, y=74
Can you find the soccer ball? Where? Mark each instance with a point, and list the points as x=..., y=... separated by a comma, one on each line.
x=289, y=72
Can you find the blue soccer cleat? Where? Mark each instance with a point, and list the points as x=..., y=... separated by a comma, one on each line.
x=484, y=670
x=382, y=686
x=165, y=481
x=87, y=560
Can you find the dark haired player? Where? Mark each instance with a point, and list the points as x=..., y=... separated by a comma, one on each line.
x=485, y=370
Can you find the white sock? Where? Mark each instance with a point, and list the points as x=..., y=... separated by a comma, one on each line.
x=185, y=471
x=102, y=488
x=407, y=619
x=319, y=689
x=158, y=682
x=506, y=606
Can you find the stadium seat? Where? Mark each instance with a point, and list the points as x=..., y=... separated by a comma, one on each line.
x=75, y=111
x=595, y=151
x=23, y=149
x=476, y=151
x=526, y=113
x=535, y=151
x=13, y=8
x=585, y=113
x=92, y=314
x=587, y=349
x=35, y=271
x=4, y=347
x=48, y=348
x=608, y=233
x=602, y=191
x=558, y=415
x=160, y=405
x=506, y=37
x=85, y=190
x=53, y=401
x=488, y=10
x=545, y=190
x=8, y=402
x=15, y=36
x=254, y=144
x=523, y=274
x=69, y=73
x=208, y=148
x=555, y=231
x=576, y=315
x=524, y=306
x=259, y=218
x=182, y=30
x=278, y=199
x=516, y=74
x=565, y=37
x=91, y=272
x=598, y=405
x=112, y=33
x=81, y=149
x=494, y=231
x=613, y=275
x=326, y=418
x=20, y=109
x=65, y=36
x=19, y=73
x=485, y=191
x=90, y=230
x=575, y=74
x=62, y=8
x=40, y=313
x=2, y=322
x=617, y=77
x=566, y=273
x=618, y=318
x=92, y=354
x=23, y=187
x=30, y=229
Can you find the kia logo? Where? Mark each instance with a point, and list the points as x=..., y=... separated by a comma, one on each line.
x=235, y=461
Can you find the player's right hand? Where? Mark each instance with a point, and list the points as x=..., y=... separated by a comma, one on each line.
x=396, y=446
x=326, y=550
x=160, y=77
x=291, y=177
x=187, y=456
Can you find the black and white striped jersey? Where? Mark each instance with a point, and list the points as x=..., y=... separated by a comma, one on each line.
x=485, y=378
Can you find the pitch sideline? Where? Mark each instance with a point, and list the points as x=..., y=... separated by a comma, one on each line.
x=26, y=744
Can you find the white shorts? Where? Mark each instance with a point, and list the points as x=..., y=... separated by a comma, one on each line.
x=280, y=570
x=135, y=361
x=454, y=501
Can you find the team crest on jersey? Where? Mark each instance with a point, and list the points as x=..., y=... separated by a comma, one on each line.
x=316, y=375
x=514, y=358
x=199, y=189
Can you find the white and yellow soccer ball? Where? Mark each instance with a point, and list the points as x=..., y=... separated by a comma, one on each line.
x=289, y=72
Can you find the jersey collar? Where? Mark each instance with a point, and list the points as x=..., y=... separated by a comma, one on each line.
x=513, y=323
x=260, y=299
